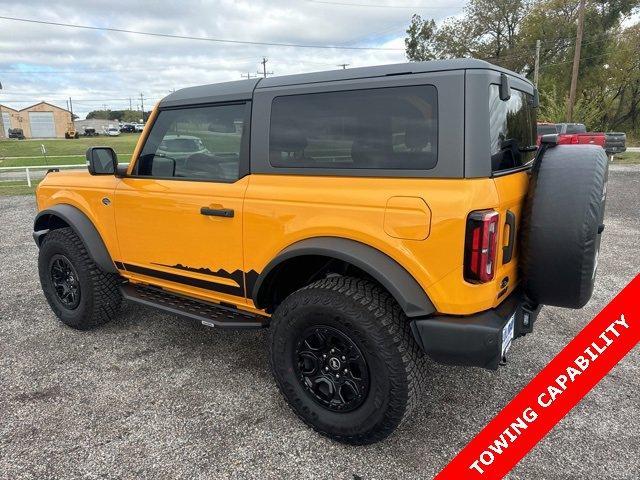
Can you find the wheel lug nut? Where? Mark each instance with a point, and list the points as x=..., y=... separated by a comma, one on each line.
x=326, y=369
x=324, y=355
x=343, y=357
x=337, y=376
x=346, y=371
x=333, y=350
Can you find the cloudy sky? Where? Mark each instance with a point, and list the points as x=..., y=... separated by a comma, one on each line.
x=96, y=68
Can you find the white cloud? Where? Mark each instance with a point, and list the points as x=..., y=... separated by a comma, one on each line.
x=96, y=67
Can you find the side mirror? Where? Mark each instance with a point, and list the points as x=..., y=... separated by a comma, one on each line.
x=505, y=88
x=102, y=161
x=550, y=139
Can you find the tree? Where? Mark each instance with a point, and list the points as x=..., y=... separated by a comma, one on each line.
x=419, y=34
x=132, y=116
x=505, y=32
x=489, y=29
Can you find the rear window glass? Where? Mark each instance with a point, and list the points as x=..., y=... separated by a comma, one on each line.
x=384, y=128
x=547, y=129
x=512, y=125
x=576, y=128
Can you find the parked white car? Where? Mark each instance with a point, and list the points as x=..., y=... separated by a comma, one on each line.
x=112, y=132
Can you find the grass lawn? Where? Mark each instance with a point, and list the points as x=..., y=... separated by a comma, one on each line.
x=18, y=187
x=123, y=144
x=24, y=162
x=627, y=158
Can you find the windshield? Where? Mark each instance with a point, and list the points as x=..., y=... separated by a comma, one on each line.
x=512, y=126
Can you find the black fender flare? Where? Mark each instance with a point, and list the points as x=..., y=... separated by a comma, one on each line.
x=82, y=226
x=411, y=297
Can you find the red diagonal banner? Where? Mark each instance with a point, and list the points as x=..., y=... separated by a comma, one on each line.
x=553, y=392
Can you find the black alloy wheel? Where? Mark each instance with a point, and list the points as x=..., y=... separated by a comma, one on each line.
x=64, y=279
x=80, y=294
x=332, y=368
x=344, y=358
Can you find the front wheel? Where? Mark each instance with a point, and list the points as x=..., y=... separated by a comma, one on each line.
x=79, y=293
x=344, y=359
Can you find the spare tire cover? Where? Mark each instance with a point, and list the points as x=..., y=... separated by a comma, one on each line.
x=562, y=225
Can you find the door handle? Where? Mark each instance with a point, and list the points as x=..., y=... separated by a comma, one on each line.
x=217, y=212
x=507, y=251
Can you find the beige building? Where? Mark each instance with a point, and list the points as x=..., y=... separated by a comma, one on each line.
x=42, y=120
x=9, y=118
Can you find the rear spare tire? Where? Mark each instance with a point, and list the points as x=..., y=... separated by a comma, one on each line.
x=562, y=225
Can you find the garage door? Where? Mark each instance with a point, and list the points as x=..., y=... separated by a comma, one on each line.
x=6, y=121
x=42, y=125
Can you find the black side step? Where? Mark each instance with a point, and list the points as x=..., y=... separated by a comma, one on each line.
x=209, y=314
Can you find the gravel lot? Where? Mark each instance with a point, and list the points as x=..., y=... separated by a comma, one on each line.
x=154, y=396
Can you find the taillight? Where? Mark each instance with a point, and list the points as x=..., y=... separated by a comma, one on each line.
x=481, y=246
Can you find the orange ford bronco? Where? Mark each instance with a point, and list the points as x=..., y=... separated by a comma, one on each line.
x=367, y=216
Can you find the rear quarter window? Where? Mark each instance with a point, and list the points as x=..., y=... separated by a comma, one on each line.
x=512, y=126
x=384, y=128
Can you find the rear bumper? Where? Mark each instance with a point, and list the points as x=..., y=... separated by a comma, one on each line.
x=474, y=340
x=614, y=149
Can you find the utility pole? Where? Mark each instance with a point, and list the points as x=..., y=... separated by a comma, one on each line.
x=576, y=62
x=247, y=75
x=71, y=108
x=343, y=65
x=536, y=70
x=264, y=72
x=142, y=105
x=130, y=107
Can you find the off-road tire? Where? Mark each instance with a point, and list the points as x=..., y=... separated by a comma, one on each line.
x=100, y=296
x=372, y=319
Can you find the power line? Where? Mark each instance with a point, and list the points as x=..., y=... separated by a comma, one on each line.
x=186, y=37
x=372, y=5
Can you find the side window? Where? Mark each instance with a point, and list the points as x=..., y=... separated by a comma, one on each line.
x=200, y=143
x=383, y=128
x=512, y=126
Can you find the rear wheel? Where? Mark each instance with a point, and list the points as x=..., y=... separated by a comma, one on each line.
x=344, y=359
x=79, y=293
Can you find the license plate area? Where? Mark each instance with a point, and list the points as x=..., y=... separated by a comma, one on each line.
x=507, y=335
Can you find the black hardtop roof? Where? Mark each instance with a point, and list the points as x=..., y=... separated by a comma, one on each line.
x=215, y=92
x=243, y=89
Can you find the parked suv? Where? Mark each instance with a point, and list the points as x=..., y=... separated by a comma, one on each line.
x=366, y=216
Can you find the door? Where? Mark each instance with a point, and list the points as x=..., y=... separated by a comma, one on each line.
x=179, y=214
x=6, y=122
x=42, y=125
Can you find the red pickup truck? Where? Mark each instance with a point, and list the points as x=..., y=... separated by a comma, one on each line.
x=576, y=133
